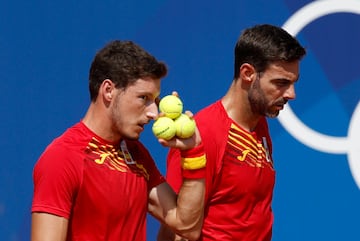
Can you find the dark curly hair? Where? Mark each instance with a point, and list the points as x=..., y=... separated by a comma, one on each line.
x=123, y=62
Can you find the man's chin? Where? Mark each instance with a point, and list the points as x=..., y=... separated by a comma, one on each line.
x=272, y=114
x=132, y=137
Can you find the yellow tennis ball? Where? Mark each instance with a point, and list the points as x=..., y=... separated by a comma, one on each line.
x=171, y=106
x=164, y=128
x=185, y=126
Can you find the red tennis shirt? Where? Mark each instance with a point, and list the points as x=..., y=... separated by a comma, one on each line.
x=239, y=177
x=90, y=181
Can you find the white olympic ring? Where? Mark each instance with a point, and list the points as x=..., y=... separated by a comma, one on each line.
x=330, y=144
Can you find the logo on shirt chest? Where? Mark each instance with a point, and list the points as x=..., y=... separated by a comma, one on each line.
x=247, y=149
x=118, y=159
x=243, y=155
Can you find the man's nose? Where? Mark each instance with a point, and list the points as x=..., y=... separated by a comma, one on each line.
x=290, y=93
x=152, y=111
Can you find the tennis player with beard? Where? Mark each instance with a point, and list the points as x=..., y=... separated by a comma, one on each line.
x=240, y=173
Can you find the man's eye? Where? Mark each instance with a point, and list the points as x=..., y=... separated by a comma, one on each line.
x=282, y=83
x=144, y=97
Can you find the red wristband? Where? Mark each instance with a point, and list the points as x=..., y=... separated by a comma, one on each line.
x=193, y=152
x=194, y=174
x=192, y=160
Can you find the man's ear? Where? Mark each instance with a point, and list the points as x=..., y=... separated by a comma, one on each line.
x=106, y=89
x=247, y=72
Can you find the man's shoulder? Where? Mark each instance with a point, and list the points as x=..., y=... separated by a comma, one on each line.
x=211, y=112
x=213, y=124
x=75, y=137
x=212, y=118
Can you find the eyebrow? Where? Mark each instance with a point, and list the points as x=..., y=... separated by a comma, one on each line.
x=149, y=94
x=286, y=79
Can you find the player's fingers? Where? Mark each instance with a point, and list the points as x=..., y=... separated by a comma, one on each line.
x=175, y=93
x=189, y=113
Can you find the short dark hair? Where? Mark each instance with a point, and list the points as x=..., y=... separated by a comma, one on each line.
x=123, y=62
x=263, y=44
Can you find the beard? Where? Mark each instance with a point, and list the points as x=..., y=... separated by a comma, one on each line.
x=117, y=120
x=261, y=105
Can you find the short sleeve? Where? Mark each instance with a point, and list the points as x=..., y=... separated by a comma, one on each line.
x=56, y=178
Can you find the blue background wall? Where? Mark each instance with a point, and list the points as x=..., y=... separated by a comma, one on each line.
x=46, y=48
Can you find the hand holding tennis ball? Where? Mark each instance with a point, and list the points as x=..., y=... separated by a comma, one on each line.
x=174, y=122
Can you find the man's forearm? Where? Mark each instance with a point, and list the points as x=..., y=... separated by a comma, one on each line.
x=190, y=208
x=191, y=197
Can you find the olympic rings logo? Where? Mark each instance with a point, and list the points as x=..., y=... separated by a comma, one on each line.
x=349, y=145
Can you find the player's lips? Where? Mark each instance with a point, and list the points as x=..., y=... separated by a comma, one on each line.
x=141, y=126
x=280, y=107
x=143, y=123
